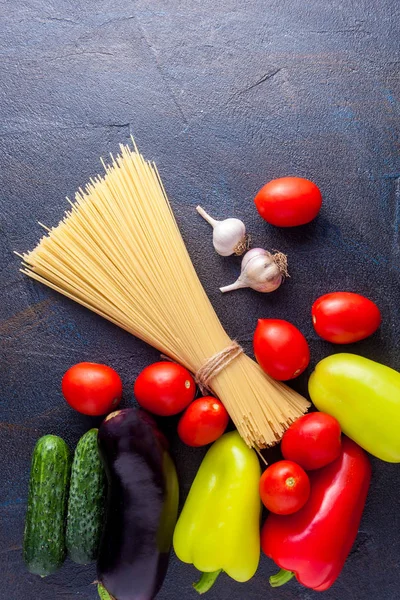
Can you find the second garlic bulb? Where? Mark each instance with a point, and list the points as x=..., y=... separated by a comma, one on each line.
x=261, y=271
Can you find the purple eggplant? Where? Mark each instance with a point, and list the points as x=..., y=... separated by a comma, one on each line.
x=142, y=506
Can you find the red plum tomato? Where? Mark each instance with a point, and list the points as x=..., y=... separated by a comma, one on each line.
x=92, y=389
x=288, y=201
x=313, y=441
x=280, y=349
x=164, y=388
x=284, y=487
x=345, y=317
x=203, y=422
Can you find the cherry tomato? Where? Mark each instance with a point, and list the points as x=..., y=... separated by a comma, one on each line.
x=164, y=388
x=344, y=317
x=92, y=389
x=284, y=487
x=288, y=201
x=203, y=422
x=280, y=348
x=313, y=441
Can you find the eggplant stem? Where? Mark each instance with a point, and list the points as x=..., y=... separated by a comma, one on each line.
x=280, y=578
x=103, y=594
x=206, y=581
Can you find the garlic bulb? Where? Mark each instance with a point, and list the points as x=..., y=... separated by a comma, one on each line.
x=261, y=271
x=229, y=236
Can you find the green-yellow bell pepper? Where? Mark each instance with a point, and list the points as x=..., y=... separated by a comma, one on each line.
x=219, y=527
x=364, y=396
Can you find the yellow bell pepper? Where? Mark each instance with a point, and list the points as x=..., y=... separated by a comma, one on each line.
x=364, y=396
x=219, y=527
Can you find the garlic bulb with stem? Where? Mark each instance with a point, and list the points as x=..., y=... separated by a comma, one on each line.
x=261, y=271
x=229, y=235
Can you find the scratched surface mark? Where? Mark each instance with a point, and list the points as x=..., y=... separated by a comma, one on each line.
x=224, y=96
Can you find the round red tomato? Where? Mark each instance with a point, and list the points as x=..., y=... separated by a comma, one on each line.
x=203, y=422
x=288, y=201
x=284, y=487
x=313, y=441
x=344, y=317
x=92, y=389
x=280, y=348
x=164, y=388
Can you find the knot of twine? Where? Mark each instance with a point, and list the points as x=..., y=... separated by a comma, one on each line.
x=215, y=364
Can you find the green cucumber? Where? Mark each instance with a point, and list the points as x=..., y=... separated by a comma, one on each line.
x=44, y=537
x=86, y=504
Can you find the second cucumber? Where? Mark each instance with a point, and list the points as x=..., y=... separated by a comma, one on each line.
x=86, y=504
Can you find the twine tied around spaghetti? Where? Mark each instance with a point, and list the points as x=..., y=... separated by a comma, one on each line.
x=215, y=364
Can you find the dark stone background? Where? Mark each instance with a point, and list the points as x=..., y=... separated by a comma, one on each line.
x=224, y=96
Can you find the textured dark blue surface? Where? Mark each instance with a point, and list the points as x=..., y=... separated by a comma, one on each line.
x=224, y=96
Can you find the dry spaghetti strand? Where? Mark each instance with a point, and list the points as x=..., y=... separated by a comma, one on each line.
x=118, y=251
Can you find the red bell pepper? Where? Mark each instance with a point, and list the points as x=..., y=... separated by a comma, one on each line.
x=314, y=542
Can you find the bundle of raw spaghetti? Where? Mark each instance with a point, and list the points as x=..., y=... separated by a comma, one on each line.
x=119, y=252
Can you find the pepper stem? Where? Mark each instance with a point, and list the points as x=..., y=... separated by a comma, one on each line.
x=280, y=578
x=206, y=581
